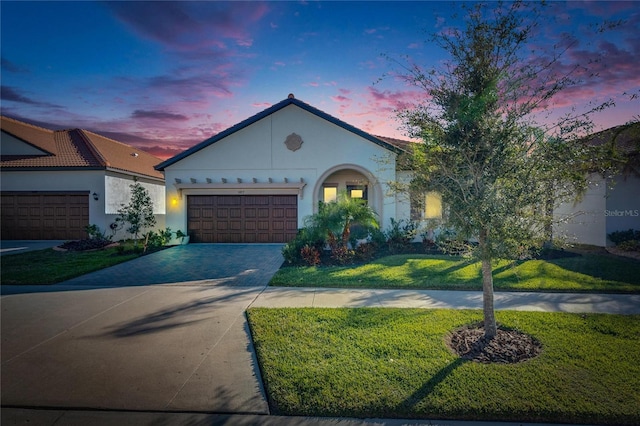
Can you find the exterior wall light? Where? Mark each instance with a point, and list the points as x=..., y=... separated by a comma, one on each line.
x=95, y=196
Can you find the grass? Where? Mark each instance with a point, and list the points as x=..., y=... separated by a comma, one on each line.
x=50, y=266
x=377, y=362
x=589, y=273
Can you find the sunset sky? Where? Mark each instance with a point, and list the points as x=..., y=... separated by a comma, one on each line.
x=164, y=76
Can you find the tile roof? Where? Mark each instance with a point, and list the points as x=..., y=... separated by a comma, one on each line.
x=75, y=148
x=399, y=143
x=626, y=138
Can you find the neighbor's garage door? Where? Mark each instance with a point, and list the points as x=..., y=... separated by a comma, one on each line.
x=44, y=216
x=242, y=218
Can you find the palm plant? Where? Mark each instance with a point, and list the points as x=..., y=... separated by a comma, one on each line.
x=335, y=219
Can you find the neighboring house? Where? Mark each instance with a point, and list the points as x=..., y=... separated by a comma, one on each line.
x=258, y=180
x=55, y=183
x=610, y=204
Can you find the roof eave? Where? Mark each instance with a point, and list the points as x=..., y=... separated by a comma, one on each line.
x=136, y=174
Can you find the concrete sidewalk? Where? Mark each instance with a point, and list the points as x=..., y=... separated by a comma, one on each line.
x=280, y=297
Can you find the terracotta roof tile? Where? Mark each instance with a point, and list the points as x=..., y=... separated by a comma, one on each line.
x=33, y=135
x=626, y=138
x=399, y=143
x=124, y=157
x=76, y=148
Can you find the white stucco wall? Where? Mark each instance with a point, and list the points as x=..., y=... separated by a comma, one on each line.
x=258, y=151
x=608, y=206
x=584, y=222
x=117, y=190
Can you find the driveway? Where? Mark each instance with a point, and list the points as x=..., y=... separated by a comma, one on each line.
x=114, y=340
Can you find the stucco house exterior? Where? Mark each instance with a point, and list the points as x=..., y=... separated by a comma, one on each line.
x=258, y=180
x=55, y=183
x=611, y=203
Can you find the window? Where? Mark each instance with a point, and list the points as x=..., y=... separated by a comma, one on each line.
x=426, y=206
x=357, y=191
x=329, y=193
x=433, y=205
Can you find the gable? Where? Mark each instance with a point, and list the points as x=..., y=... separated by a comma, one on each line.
x=262, y=146
x=266, y=117
x=12, y=145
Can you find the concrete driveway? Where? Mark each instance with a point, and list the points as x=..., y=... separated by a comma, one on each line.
x=114, y=340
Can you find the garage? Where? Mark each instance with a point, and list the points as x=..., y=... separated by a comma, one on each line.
x=44, y=216
x=242, y=218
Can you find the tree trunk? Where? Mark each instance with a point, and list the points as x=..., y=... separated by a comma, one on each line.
x=490, y=328
x=548, y=217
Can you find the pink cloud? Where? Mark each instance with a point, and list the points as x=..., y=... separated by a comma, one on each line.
x=245, y=42
x=186, y=26
x=340, y=99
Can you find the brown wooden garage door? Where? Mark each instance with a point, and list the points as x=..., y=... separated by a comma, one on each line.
x=44, y=216
x=242, y=218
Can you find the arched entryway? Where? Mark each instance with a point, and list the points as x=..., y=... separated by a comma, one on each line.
x=356, y=180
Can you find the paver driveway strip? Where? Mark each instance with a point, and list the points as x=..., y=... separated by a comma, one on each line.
x=171, y=347
x=231, y=264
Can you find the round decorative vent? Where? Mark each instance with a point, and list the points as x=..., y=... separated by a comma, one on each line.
x=293, y=142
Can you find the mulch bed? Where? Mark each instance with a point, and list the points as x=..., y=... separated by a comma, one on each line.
x=507, y=347
x=86, y=244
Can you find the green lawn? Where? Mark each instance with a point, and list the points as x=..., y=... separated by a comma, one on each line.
x=50, y=266
x=376, y=362
x=592, y=273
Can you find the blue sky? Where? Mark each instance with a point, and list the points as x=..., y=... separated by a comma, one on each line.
x=164, y=75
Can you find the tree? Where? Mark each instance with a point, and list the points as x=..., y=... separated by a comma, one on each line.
x=498, y=171
x=138, y=213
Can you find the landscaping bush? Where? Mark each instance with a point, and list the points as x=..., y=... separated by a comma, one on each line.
x=311, y=255
x=85, y=244
x=631, y=237
x=630, y=245
x=154, y=240
x=400, y=235
x=306, y=237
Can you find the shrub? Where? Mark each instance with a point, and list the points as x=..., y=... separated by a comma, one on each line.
x=400, y=235
x=618, y=237
x=450, y=243
x=310, y=255
x=342, y=255
x=292, y=251
x=630, y=245
x=157, y=239
x=366, y=251
x=94, y=233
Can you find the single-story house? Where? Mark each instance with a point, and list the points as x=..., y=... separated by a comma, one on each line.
x=258, y=180
x=55, y=183
x=611, y=203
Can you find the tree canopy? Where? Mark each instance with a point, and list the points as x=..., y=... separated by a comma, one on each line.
x=499, y=172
